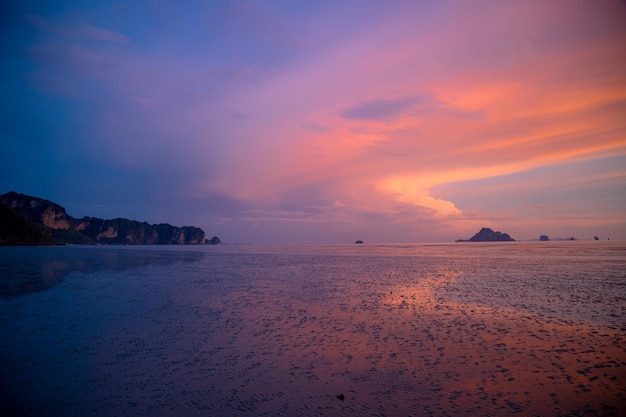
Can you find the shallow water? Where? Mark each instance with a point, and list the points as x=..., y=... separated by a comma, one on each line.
x=521, y=328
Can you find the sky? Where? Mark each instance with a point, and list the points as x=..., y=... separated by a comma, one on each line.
x=321, y=121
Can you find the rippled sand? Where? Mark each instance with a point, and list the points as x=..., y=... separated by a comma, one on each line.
x=396, y=330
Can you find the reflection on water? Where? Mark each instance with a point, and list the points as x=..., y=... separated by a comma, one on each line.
x=24, y=270
x=397, y=330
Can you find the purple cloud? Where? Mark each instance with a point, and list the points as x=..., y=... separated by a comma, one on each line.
x=307, y=122
x=315, y=127
x=384, y=109
x=81, y=31
x=94, y=33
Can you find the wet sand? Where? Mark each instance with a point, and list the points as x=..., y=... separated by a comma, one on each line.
x=415, y=351
x=285, y=334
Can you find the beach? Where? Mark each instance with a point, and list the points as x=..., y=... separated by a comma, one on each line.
x=393, y=330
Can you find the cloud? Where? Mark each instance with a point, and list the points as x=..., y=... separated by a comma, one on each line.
x=144, y=101
x=383, y=109
x=407, y=192
x=315, y=127
x=363, y=131
x=80, y=31
x=91, y=32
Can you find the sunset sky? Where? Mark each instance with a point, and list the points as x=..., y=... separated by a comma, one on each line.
x=321, y=121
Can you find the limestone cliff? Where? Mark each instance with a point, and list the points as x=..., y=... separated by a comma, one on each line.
x=130, y=232
x=91, y=230
x=37, y=210
x=17, y=230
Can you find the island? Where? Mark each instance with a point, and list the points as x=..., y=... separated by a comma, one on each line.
x=487, y=235
x=27, y=220
x=213, y=241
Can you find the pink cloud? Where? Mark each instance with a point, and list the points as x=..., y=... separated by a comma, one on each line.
x=533, y=109
x=380, y=120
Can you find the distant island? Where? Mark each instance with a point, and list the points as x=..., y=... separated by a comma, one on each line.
x=213, y=241
x=487, y=235
x=27, y=220
x=545, y=238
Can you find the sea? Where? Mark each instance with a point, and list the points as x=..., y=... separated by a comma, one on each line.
x=451, y=329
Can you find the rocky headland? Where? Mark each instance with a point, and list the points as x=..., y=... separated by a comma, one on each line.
x=487, y=235
x=16, y=230
x=27, y=220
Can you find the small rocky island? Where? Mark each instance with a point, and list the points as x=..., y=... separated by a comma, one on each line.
x=213, y=241
x=26, y=220
x=487, y=235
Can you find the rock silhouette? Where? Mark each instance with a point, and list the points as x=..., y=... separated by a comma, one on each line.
x=50, y=219
x=487, y=235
